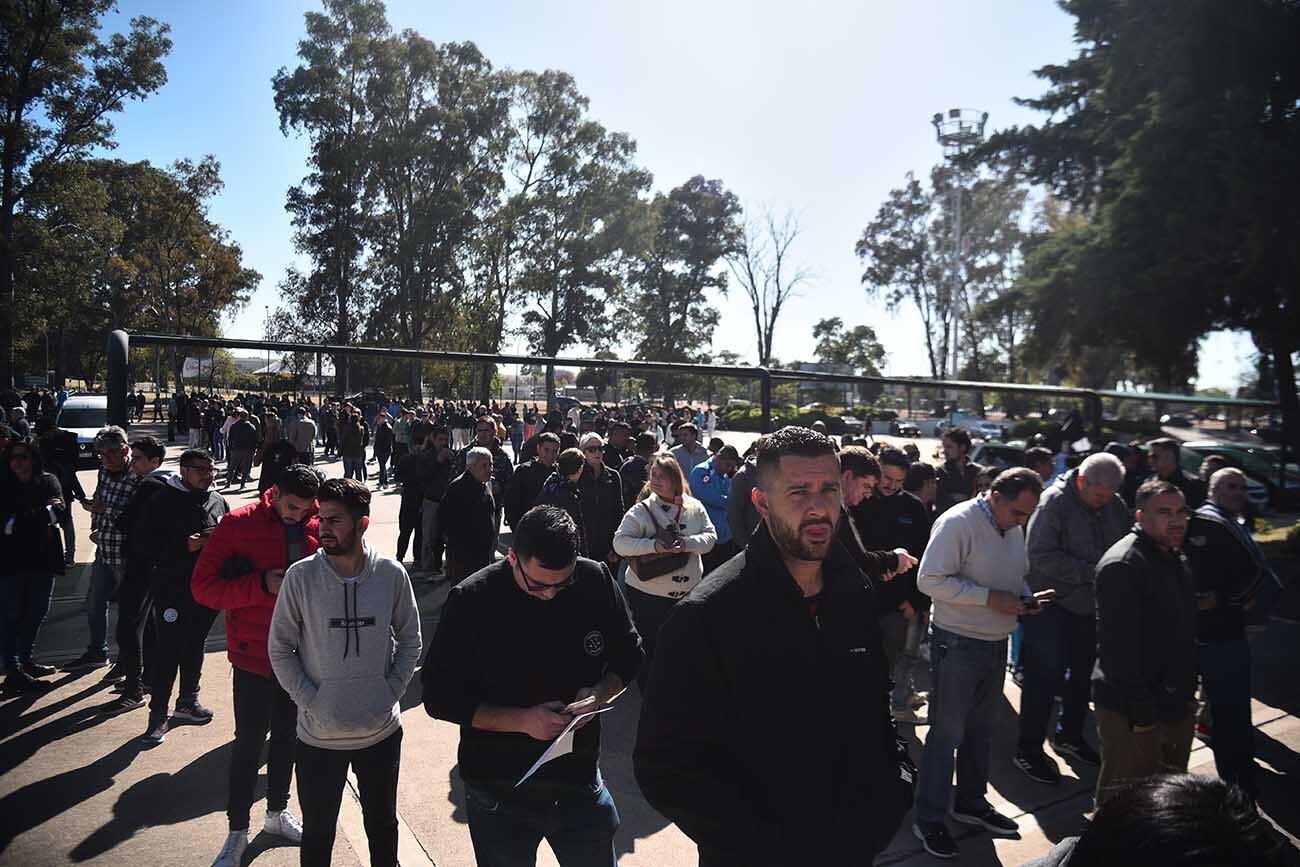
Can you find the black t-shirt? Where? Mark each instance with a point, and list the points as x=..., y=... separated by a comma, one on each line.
x=496, y=644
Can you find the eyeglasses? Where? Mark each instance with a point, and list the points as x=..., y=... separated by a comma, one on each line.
x=201, y=469
x=541, y=586
x=590, y=449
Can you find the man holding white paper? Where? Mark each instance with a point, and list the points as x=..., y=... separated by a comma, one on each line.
x=523, y=647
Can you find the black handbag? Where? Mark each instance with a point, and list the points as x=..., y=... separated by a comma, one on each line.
x=649, y=566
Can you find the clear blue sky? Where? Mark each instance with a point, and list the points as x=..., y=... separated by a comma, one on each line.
x=818, y=107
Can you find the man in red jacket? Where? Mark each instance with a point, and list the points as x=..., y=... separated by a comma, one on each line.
x=239, y=572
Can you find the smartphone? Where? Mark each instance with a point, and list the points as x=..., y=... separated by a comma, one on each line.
x=578, y=706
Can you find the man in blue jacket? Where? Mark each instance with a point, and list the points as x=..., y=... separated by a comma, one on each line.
x=711, y=485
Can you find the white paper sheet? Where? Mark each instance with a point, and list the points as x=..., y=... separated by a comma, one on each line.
x=561, y=746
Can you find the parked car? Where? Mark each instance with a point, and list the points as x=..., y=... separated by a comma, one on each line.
x=903, y=428
x=1261, y=464
x=85, y=415
x=1192, y=453
x=999, y=455
x=851, y=424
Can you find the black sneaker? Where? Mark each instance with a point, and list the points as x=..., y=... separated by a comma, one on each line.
x=1077, y=749
x=1038, y=768
x=154, y=734
x=128, y=701
x=88, y=661
x=31, y=668
x=935, y=838
x=191, y=713
x=989, y=819
x=116, y=674
x=18, y=682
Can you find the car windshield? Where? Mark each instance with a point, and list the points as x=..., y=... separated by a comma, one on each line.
x=83, y=417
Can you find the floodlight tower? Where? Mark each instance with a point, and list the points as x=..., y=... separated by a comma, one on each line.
x=959, y=131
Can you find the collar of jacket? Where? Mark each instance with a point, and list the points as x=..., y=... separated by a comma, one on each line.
x=763, y=558
x=1155, y=549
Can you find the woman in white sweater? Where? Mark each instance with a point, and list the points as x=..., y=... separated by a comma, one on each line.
x=665, y=503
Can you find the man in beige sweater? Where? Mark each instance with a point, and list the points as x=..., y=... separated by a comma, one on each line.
x=974, y=569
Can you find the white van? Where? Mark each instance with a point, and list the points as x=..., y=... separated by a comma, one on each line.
x=85, y=415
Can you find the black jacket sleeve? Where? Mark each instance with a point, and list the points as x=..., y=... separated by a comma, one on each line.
x=680, y=756
x=449, y=679
x=1120, y=630
x=625, y=653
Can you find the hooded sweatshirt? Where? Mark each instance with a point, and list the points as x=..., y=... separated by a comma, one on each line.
x=345, y=648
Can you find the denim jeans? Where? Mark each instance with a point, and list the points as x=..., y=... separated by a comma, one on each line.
x=1225, y=673
x=103, y=581
x=26, y=602
x=966, y=686
x=382, y=460
x=354, y=468
x=218, y=445
x=1056, y=640
x=904, y=683
x=579, y=826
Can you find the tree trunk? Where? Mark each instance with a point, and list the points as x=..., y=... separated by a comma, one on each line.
x=550, y=387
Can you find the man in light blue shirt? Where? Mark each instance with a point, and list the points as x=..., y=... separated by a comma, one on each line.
x=711, y=485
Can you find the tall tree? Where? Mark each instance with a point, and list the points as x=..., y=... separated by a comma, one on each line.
x=581, y=225
x=60, y=82
x=324, y=97
x=858, y=347
x=1174, y=130
x=763, y=264
x=696, y=225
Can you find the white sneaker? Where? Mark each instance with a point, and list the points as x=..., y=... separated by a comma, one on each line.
x=284, y=824
x=232, y=853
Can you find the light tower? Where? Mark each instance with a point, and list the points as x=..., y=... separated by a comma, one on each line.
x=959, y=130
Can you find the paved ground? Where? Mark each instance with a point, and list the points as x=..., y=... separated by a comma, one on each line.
x=75, y=788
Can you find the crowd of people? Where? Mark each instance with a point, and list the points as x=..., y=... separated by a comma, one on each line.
x=772, y=606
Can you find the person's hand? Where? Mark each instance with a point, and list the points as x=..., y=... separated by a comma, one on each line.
x=273, y=578
x=543, y=722
x=585, y=692
x=907, y=610
x=1206, y=601
x=1006, y=603
x=94, y=537
x=196, y=541
x=905, y=561
x=661, y=548
x=56, y=502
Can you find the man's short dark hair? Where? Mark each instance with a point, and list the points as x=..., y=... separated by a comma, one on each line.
x=620, y=425
x=354, y=496
x=729, y=452
x=299, y=480
x=860, y=462
x=917, y=475
x=892, y=457
x=1179, y=819
x=569, y=462
x=792, y=441
x=190, y=456
x=646, y=442
x=548, y=535
x=1013, y=482
x=547, y=437
x=958, y=435
x=150, y=447
x=688, y=425
x=1038, y=455
x=1154, y=488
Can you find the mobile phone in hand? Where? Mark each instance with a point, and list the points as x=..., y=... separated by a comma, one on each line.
x=578, y=706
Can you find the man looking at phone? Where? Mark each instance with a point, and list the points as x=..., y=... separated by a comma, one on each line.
x=974, y=569
x=518, y=644
x=240, y=571
x=765, y=732
x=1077, y=520
x=1144, y=681
x=177, y=521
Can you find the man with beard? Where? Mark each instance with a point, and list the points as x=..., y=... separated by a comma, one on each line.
x=859, y=478
x=765, y=731
x=956, y=477
x=350, y=671
x=240, y=572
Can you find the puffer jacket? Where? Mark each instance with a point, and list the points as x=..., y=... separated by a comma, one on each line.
x=1066, y=539
x=247, y=544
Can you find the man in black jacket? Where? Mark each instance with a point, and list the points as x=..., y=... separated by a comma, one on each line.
x=526, y=483
x=177, y=521
x=765, y=732
x=241, y=443
x=436, y=469
x=635, y=471
x=1145, y=675
x=467, y=517
x=59, y=451
x=516, y=645
x=503, y=469
x=859, y=477
x=601, y=490
x=1166, y=466
x=956, y=477
x=1230, y=571
x=891, y=519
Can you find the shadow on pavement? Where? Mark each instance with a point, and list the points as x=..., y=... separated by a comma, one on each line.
x=1273, y=665
x=21, y=748
x=14, y=716
x=153, y=801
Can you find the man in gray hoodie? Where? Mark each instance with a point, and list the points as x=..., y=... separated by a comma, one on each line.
x=346, y=666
